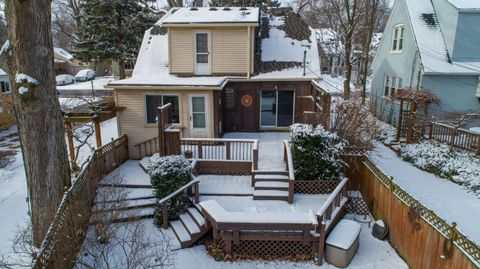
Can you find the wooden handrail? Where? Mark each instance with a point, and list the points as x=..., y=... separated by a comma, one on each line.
x=175, y=193
x=291, y=172
x=332, y=197
x=219, y=140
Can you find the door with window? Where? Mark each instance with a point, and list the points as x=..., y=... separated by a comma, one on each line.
x=276, y=108
x=202, y=53
x=198, y=115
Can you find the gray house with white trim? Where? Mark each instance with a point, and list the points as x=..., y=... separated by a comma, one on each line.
x=430, y=44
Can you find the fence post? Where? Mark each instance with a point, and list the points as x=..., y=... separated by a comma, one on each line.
x=200, y=149
x=227, y=145
x=321, y=240
x=430, y=132
x=165, y=215
x=197, y=192
x=453, y=135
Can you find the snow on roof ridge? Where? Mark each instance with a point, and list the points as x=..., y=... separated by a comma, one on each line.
x=186, y=15
x=465, y=4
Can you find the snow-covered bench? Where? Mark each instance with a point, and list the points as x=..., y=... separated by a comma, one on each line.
x=342, y=243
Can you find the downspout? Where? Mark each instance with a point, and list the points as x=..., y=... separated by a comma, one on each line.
x=249, y=46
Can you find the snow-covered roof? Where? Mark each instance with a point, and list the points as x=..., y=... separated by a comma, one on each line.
x=2, y=72
x=152, y=69
x=61, y=54
x=465, y=4
x=281, y=57
x=98, y=83
x=212, y=15
x=431, y=42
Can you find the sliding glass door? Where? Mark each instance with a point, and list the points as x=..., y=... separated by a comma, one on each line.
x=276, y=108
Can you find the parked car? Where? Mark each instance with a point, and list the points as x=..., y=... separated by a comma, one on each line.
x=64, y=79
x=85, y=75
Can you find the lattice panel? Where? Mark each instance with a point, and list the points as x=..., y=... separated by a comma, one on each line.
x=315, y=186
x=272, y=248
x=356, y=205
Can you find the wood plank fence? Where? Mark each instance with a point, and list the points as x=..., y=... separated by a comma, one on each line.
x=67, y=230
x=420, y=236
x=455, y=137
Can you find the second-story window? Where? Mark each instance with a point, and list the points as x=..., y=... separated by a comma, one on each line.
x=397, y=42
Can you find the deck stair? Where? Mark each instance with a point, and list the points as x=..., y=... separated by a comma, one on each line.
x=189, y=228
x=270, y=185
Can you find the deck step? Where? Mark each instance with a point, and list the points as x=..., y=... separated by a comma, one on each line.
x=190, y=224
x=127, y=215
x=197, y=216
x=271, y=185
x=170, y=236
x=270, y=195
x=269, y=177
x=180, y=231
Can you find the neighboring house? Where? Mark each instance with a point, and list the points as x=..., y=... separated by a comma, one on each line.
x=431, y=45
x=7, y=116
x=66, y=63
x=331, y=51
x=223, y=69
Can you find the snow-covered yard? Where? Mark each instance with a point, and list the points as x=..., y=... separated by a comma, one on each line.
x=450, y=201
x=13, y=188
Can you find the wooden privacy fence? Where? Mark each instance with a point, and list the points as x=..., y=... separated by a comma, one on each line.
x=455, y=137
x=67, y=230
x=420, y=236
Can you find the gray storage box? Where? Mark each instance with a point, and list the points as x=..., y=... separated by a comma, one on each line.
x=342, y=243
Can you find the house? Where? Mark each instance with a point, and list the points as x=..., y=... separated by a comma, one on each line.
x=331, y=51
x=66, y=63
x=431, y=45
x=223, y=69
x=7, y=117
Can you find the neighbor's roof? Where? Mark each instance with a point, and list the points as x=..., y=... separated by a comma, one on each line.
x=465, y=4
x=211, y=15
x=431, y=42
x=61, y=54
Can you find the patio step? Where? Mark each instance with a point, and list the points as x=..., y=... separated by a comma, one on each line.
x=270, y=177
x=190, y=228
x=271, y=185
x=270, y=195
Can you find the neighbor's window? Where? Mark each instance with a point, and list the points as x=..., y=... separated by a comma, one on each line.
x=152, y=103
x=5, y=85
x=391, y=85
x=397, y=43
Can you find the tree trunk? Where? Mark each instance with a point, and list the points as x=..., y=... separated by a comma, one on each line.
x=39, y=118
x=348, y=65
x=121, y=69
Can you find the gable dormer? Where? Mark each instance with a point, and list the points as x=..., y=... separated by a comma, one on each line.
x=211, y=41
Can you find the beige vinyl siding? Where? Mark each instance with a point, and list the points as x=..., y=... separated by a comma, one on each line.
x=132, y=120
x=228, y=49
x=182, y=51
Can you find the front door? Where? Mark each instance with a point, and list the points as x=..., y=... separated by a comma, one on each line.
x=202, y=54
x=276, y=108
x=198, y=115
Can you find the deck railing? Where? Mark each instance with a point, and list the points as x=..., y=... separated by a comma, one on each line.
x=328, y=214
x=220, y=148
x=65, y=234
x=291, y=172
x=148, y=147
x=455, y=137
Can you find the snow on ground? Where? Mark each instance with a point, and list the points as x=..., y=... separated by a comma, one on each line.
x=13, y=187
x=233, y=185
x=372, y=253
x=461, y=206
x=270, y=149
x=13, y=190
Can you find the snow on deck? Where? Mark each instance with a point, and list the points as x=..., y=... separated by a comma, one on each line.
x=226, y=185
x=372, y=253
x=131, y=173
x=270, y=152
x=447, y=199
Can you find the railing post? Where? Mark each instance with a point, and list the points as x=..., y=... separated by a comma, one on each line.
x=255, y=156
x=227, y=145
x=200, y=149
x=453, y=135
x=321, y=240
x=165, y=215
x=197, y=192
x=291, y=184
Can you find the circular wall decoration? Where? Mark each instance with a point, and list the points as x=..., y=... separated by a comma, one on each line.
x=247, y=100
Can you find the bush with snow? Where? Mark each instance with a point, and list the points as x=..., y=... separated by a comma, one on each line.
x=386, y=132
x=316, y=153
x=459, y=166
x=168, y=174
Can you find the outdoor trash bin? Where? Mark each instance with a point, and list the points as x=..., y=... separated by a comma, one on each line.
x=342, y=243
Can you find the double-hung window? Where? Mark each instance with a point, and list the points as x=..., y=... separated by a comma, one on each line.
x=391, y=85
x=397, y=41
x=153, y=101
x=5, y=85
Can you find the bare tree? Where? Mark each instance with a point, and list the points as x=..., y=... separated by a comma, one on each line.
x=66, y=20
x=22, y=249
x=28, y=60
x=345, y=17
